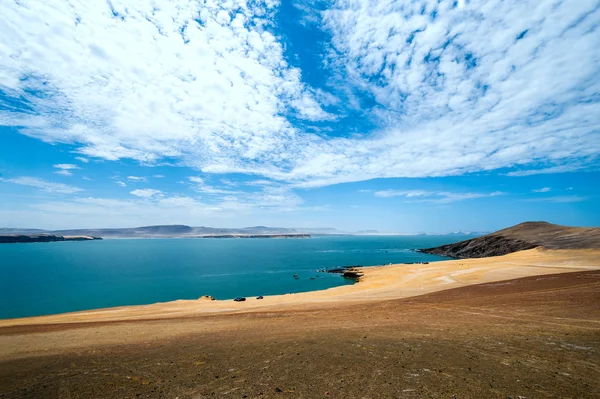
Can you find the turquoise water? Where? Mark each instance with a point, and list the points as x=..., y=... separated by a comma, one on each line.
x=46, y=278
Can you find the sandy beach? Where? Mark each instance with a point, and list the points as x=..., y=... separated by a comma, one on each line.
x=378, y=283
x=525, y=324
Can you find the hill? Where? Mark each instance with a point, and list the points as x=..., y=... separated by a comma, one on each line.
x=523, y=236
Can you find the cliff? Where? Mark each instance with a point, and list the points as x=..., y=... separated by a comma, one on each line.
x=523, y=236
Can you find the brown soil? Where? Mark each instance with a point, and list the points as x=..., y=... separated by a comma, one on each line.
x=535, y=337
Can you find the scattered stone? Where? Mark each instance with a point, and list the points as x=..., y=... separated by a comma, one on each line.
x=206, y=298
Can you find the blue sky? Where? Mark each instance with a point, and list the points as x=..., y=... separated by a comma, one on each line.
x=390, y=115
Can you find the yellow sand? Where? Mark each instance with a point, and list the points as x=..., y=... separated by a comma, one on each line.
x=378, y=283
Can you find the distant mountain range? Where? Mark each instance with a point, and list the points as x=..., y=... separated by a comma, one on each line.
x=174, y=231
x=166, y=231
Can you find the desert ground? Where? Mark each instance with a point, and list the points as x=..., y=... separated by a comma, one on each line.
x=523, y=325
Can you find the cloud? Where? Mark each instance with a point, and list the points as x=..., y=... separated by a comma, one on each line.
x=82, y=159
x=136, y=178
x=66, y=166
x=43, y=185
x=198, y=184
x=65, y=169
x=542, y=190
x=64, y=173
x=146, y=192
x=445, y=88
x=280, y=199
x=544, y=171
x=121, y=183
x=440, y=197
x=216, y=96
x=559, y=199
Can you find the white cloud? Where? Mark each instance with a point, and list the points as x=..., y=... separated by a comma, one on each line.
x=544, y=171
x=440, y=197
x=145, y=192
x=82, y=159
x=542, y=190
x=451, y=90
x=43, y=185
x=121, y=183
x=198, y=184
x=66, y=166
x=64, y=173
x=280, y=199
x=559, y=199
x=215, y=97
x=136, y=178
x=65, y=169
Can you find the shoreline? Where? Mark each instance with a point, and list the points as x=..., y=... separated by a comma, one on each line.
x=378, y=283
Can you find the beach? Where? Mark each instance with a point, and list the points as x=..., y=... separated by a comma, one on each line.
x=402, y=331
x=378, y=283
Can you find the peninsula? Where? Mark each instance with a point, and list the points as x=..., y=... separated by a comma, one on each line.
x=27, y=238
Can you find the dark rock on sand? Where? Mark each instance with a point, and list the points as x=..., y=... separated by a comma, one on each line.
x=349, y=272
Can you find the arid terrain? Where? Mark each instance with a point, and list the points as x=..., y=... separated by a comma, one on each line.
x=532, y=337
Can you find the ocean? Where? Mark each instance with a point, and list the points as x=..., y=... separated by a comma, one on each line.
x=48, y=278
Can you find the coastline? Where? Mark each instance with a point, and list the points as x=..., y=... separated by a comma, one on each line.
x=378, y=283
x=404, y=331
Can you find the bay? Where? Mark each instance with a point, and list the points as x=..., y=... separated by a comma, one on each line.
x=49, y=278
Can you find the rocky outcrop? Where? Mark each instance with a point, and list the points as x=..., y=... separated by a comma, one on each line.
x=349, y=272
x=27, y=238
x=206, y=298
x=521, y=237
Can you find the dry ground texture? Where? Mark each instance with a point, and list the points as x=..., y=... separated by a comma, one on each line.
x=531, y=337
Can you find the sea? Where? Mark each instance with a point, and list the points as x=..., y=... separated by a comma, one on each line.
x=49, y=278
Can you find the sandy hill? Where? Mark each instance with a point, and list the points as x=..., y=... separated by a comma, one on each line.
x=523, y=236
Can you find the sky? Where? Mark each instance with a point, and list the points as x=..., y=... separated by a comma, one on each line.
x=398, y=116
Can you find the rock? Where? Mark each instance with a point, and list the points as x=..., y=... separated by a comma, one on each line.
x=206, y=298
x=352, y=275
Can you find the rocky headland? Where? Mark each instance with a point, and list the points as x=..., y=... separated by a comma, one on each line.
x=521, y=237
